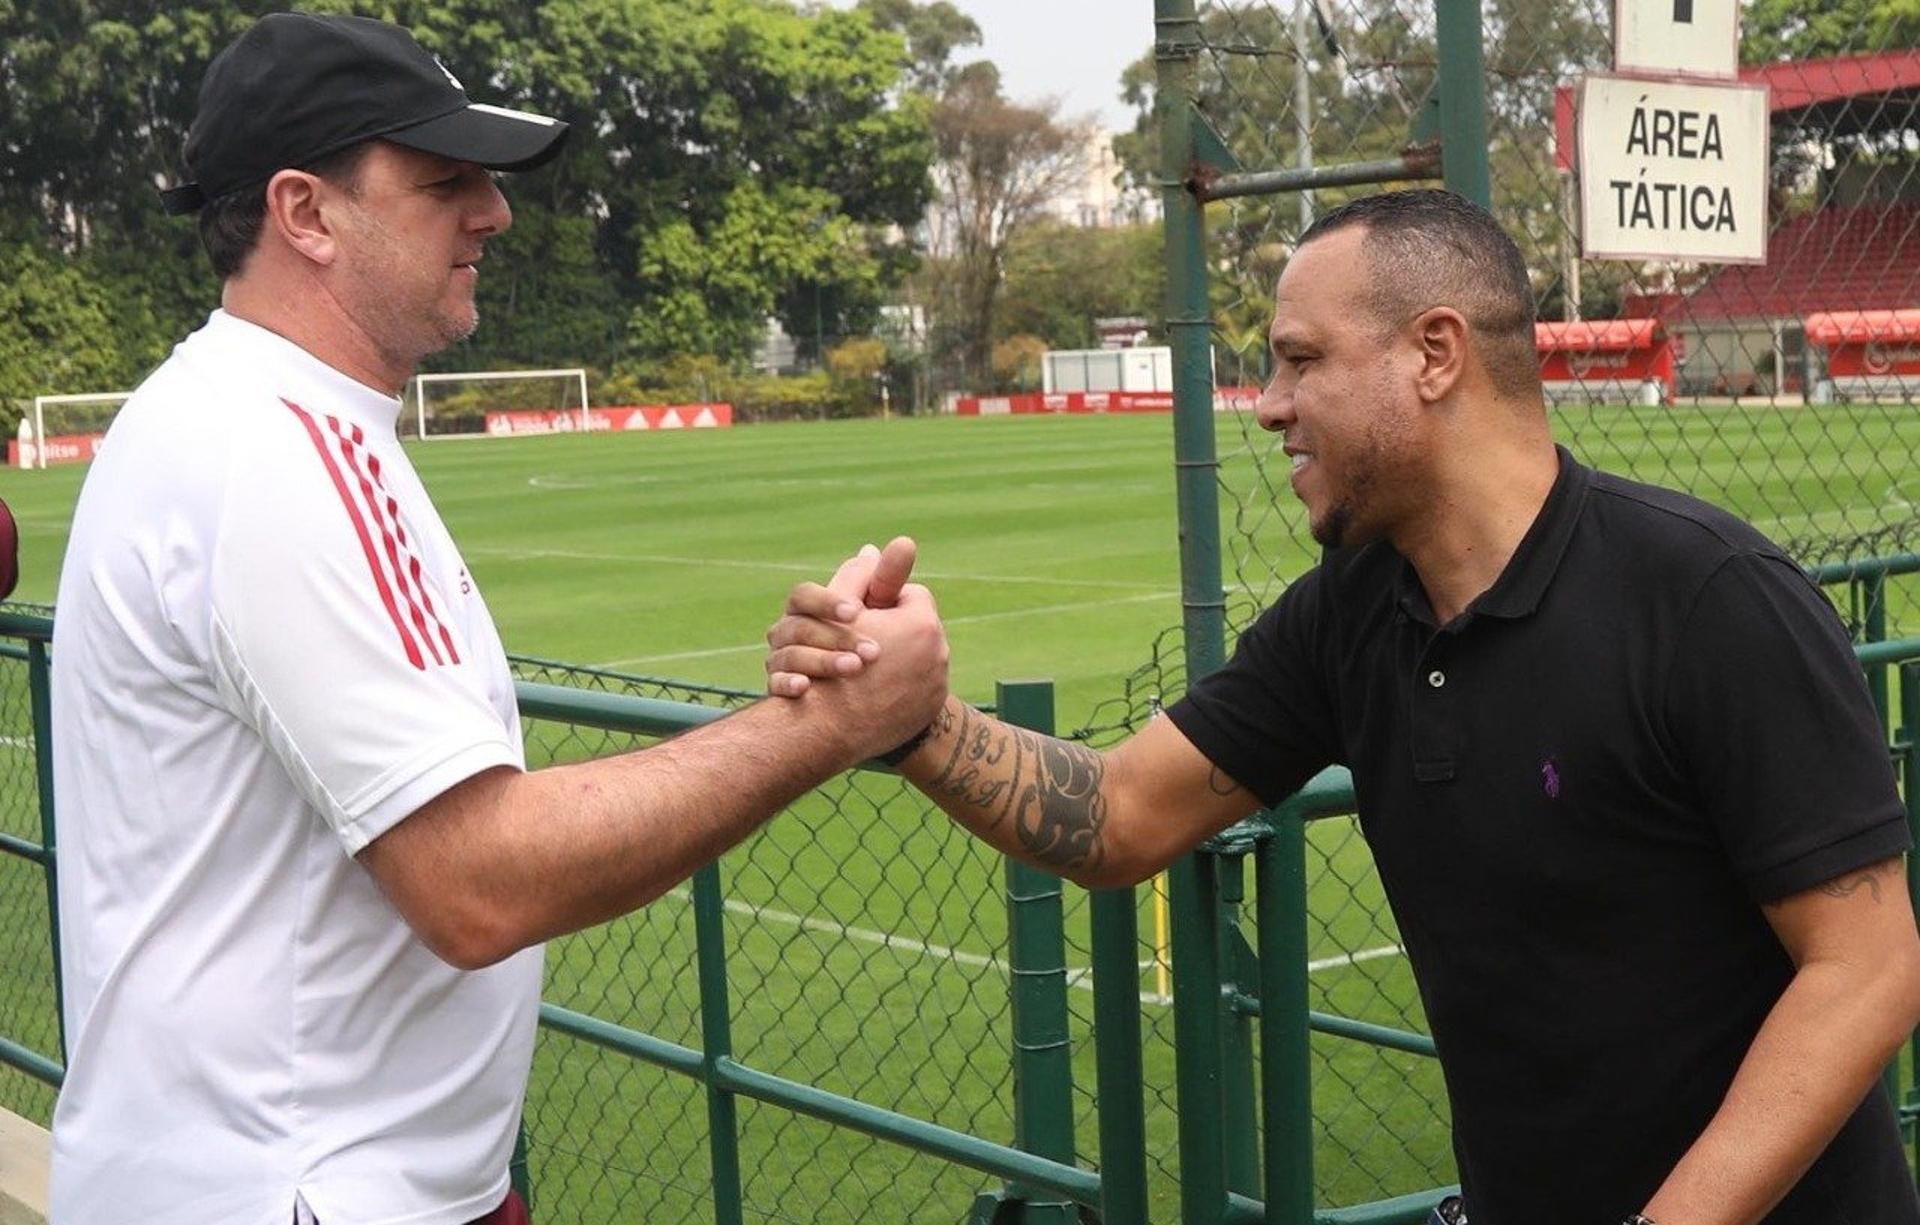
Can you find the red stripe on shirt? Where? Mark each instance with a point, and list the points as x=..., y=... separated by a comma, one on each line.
x=348, y=448
x=413, y=559
x=360, y=528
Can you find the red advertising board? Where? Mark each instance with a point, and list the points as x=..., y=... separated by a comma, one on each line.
x=60, y=449
x=1026, y=403
x=626, y=417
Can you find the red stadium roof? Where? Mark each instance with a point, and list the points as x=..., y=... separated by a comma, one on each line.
x=1597, y=335
x=1802, y=84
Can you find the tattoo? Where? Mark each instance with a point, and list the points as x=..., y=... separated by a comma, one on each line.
x=1847, y=886
x=1051, y=788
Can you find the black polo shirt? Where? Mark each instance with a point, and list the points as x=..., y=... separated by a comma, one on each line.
x=1577, y=792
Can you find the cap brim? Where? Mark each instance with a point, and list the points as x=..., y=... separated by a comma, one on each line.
x=491, y=136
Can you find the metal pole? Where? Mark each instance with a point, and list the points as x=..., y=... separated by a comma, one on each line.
x=1197, y=1014
x=1873, y=590
x=1240, y=1118
x=1302, y=109
x=1037, y=953
x=1121, y=1085
x=1463, y=100
x=716, y=1041
x=1570, y=248
x=40, y=695
x=1196, y=979
x=1280, y=909
x=1910, y=733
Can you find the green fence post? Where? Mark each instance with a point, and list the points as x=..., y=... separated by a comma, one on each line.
x=517, y=1171
x=1121, y=1088
x=1910, y=735
x=716, y=1040
x=1280, y=906
x=1194, y=907
x=1873, y=626
x=1240, y=1118
x=1463, y=101
x=40, y=693
x=1037, y=952
x=1193, y=899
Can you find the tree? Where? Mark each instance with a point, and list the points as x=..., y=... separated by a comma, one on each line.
x=729, y=159
x=997, y=166
x=1060, y=278
x=933, y=32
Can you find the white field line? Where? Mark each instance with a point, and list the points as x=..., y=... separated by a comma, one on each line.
x=976, y=619
x=22, y=744
x=1078, y=977
x=819, y=570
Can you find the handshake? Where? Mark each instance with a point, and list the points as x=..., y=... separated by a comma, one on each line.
x=866, y=650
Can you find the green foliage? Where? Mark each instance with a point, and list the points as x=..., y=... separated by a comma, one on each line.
x=57, y=333
x=1060, y=278
x=1795, y=30
x=729, y=159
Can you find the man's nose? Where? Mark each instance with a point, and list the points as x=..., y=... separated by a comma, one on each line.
x=1274, y=409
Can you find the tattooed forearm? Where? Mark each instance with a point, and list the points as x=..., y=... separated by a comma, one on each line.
x=1869, y=878
x=1050, y=787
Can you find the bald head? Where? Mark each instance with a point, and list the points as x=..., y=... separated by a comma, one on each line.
x=1428, y=248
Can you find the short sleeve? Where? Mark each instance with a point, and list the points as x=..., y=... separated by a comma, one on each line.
x=1769, y=713
x=1267, y=717
x=331, y=640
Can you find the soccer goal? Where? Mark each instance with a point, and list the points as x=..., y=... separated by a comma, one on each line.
x=458, y=404
x=62, y=429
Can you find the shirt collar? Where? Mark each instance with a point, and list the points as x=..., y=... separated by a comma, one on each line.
x=1518, y=590
x=298, y=375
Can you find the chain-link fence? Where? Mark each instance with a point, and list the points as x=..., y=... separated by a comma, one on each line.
x=1781, y=403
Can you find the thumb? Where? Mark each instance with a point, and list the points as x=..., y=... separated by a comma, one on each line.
x=890, y=574
x=855, y=574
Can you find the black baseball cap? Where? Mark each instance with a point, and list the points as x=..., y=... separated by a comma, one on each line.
x=298, y=86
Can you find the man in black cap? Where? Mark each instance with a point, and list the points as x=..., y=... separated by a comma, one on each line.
x=304, y=874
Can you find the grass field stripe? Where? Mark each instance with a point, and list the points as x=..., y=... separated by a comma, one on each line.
x=975, y=619
x=1077, y=976
x=1354, y=959
x=360, y=528
x=821, y=570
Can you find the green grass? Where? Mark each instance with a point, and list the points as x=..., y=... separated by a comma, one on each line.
x=1052, y=547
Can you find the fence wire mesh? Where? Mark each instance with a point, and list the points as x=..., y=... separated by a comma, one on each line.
x=27, y=1014
x=1811, y=443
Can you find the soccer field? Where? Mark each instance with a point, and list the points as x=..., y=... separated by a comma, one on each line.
x=865, y=933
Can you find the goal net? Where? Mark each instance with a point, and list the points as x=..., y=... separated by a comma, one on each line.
x=65, y=428
x=465, y=404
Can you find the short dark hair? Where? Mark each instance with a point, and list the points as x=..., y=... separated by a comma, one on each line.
x=230, y=224
x=1430, y=248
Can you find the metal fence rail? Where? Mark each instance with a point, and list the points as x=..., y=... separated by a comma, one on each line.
x=677, y=1062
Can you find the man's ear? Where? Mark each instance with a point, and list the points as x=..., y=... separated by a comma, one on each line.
x=297, y=214
x=1442, y=335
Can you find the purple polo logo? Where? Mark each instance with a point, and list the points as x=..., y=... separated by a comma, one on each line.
x=1550, y=778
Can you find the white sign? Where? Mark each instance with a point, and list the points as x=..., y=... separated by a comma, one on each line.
x=1695, y=38
x=1670, y=170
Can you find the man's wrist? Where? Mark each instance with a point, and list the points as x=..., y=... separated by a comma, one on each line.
x=1638, y=1219
x=905, y=749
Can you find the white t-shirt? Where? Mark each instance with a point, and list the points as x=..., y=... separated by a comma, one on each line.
x=267, y=652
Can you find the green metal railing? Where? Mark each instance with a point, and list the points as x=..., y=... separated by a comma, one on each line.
x=1233, y=1168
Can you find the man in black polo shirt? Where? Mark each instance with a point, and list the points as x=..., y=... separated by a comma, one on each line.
x=1627, y=793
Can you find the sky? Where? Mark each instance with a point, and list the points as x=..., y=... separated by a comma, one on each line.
x=1074, y=49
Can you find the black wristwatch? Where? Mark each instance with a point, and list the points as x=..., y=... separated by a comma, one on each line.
x=906, y=747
